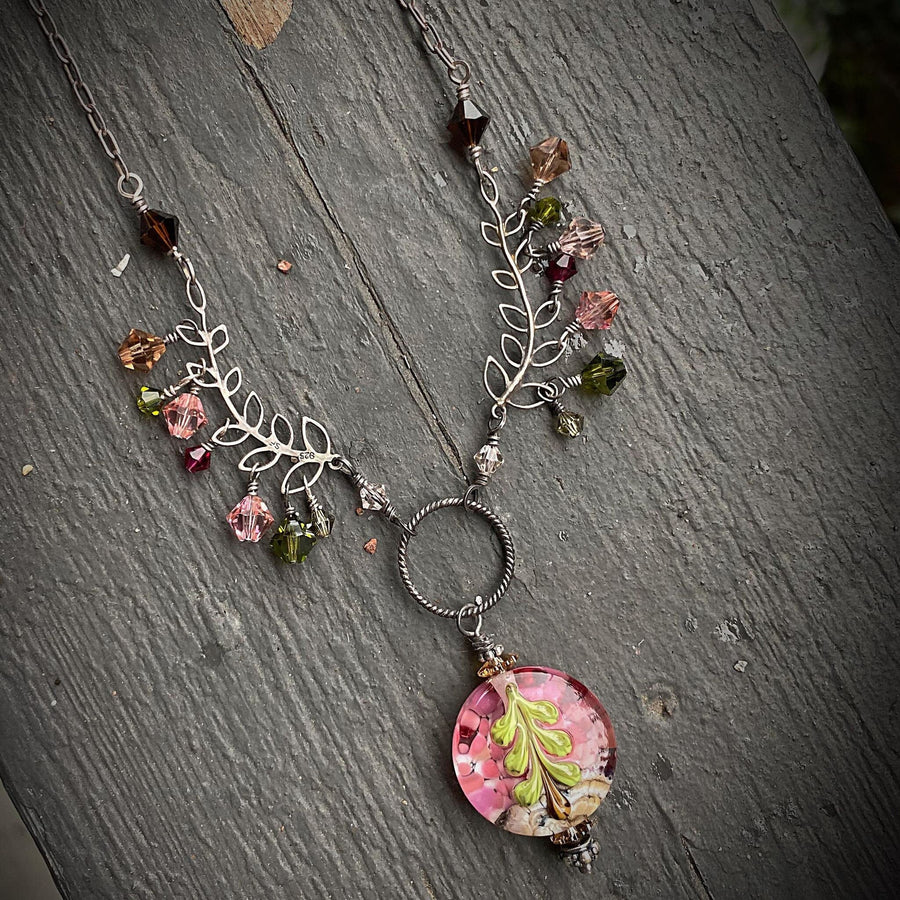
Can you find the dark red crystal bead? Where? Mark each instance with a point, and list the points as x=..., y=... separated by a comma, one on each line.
x=197, y=459
x=562, y=268
x=466, y=125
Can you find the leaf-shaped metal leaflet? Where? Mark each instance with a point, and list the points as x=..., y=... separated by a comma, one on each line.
x=547, y=353
x=546, y=313
x=490, y=234
x=253, y=410
x=514, y=317
x=282, y=432
x=505, y=279
x=493, y=368
x=230, y=434
x=189, y=332
x=217, y=339
x=308, y=429
x=513, y=351
x=231, y=383
x=197, y=371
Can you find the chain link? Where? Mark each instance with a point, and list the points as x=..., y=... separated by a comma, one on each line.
x=458, y=70
x=85, y=98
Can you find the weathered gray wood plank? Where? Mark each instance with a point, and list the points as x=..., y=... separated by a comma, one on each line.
x=182, y=718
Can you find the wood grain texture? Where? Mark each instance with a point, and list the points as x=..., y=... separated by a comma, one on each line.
x=257, y=22
x=181, y=718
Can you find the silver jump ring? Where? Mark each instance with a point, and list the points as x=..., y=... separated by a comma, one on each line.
x=468, y=610
x=125, y=180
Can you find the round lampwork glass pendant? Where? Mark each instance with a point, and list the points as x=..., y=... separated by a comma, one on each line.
x=534, y=751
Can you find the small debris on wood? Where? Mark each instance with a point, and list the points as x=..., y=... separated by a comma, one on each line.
x=563, y=535
x=629, y=231
x=27, y=470
x=371, y=546
x=284, y=266
x=740, y=665
x=690, y=624
x=359, y=510
x=120, y=267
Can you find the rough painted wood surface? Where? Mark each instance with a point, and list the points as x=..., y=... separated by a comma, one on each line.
x=181, y=718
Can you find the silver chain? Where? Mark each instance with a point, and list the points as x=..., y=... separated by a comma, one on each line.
x=458, y=70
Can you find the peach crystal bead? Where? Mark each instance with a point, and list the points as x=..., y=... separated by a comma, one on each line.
x=582, y=238
x=250, y=519
x=549, y=159
x=184, y=415
x=596, y=309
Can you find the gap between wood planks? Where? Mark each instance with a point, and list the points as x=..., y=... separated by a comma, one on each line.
x=414, y=382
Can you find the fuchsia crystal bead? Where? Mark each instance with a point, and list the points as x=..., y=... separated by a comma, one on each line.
x=562, y=268
x=250, y=519
x=197, y=459
x=184, y=415
x=582, y=238
x=596, y=309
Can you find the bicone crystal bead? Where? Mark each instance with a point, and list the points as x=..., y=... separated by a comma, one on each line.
x=197, y=459
x=488, y=459
x=569, y=424
x=322, y=523
x=581, y=238
x=150, y=401
x=562, y=268
x=184, y=415
x=596, y=309
x=466, y=125
x=140, y=351
x=546, y=211
x=293, y=540
x=373, y=497
x=250, y=519
x=159, y=230
x=549, y=159
x=603, y=374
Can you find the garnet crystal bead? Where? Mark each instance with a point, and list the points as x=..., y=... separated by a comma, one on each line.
x=562, y=268
x=140, y=351
x=603, y=374
x=582, y=238
x=250, y=519
x=159, y=230
x=596, y=309
x=184, y=415
x=466, y=126
x=293, y=540
x=550, y=159
x=197, y=459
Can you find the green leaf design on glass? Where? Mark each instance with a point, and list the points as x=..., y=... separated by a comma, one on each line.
x=524, y=728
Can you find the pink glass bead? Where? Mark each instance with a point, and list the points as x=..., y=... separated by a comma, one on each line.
x=558, y=714
x=582, y=238
x=250, y=519
x=596, y=309
x=184, y=415
x=561, y=269
x=197, y=459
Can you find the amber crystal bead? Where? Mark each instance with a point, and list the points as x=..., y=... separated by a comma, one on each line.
x=547, y=211
x=293, y=540
x=140, y=351
x=603, y=374
x=466, y=125
x=159, y=230
x=549, y=159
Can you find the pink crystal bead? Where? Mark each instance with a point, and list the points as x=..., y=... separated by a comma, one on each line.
x=561, y=269
x=596, y=309
x=250, y=519
x=582, y=238
x=539, y=736
x=197, y=459
x=184, y=415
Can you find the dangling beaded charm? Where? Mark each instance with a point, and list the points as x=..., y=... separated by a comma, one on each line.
x=322, y=523
x=150, y=401
x=603, y=374
x=197, y=459
x=582, y=238
x=595, y=311
x=250, y=519
x=549, y=159
x=140, y=350
x=185, y=414
x=566, y=422
x=293, y=540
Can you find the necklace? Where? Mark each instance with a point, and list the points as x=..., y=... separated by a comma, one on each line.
x=533, y=748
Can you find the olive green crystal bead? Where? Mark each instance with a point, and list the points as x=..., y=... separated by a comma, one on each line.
x=569, y=424
x=293, y=540
x=547, y=211
x=150, y=401
x=603, y=374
